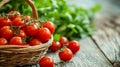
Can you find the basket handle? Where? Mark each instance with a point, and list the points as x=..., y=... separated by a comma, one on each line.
x=3, y=2
x=34, y=11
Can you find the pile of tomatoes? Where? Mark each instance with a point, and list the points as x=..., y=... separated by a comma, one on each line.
x=66, y=49
x=17, y=29
x=20, y=30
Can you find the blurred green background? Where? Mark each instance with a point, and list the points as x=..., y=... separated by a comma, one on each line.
x=70, y=20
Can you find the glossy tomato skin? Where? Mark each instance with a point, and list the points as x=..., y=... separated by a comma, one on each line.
x=49, y=25
x=55, y=46
x=16, y=40
x=46, y=62
x=18, y=22
x=34, y=42
x=64, y=41
x=74, y=46
x=31, y=30
x=66, y=55
x=4, y=22
x=6, y=32
x=44, y=34
x=3, y=41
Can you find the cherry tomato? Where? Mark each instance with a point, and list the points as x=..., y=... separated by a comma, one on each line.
x=4, y=22
x=44, y=34
x=50, y=26
x=35, y=41
x=64, y=41
x=66, y=54
x=55, y=46
x=46, y=62
x=3, y=41
x=16, y=40
x=31, y=30
x=21, y=34
x=18, y=22
x=13, y=15
x=6, y=32
x=74, y=46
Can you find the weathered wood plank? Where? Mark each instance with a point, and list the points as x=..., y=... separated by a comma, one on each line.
x=88, y=56
x=108, y=41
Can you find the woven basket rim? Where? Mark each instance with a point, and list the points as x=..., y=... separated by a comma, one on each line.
x=24, y=49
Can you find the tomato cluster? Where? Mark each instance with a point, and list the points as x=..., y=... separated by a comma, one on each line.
x=17, y=29
x=66, y=50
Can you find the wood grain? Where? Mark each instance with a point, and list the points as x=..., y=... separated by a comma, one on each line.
x=108, y=41
x=88, y=56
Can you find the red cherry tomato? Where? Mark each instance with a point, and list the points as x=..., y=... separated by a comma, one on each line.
x=31, y=30
x=35, y=41
x=4, y=22
x=18, y=22
x=50, y=26
x=16, y=40
x=21, y=34
x=6, y=32
x=44, y=34
x=55, y=46
x=46, y=62
x=64, y=41
x=13, y=15
x=66, y=55
x=3, y=41
x=74, y=46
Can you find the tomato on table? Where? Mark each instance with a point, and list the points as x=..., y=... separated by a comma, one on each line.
x=74, y=46
x=55, y=46
x=66, y=54
x=64, y=41
x=46, y=62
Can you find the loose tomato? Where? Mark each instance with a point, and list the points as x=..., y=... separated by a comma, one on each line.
x=4, y=22
x=35, y=41
x=31, y=30
x=64, y=41
x=55, y=46
x=46, y=62
x=50, y=26
x=43, y=34
x=74, y=46
x=6, y=32
x=18, y=22
x=66, y=54
x=3, y=41
x=16, y=40
x=21, y=34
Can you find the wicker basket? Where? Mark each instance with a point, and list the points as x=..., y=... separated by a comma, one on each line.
x=11, y=55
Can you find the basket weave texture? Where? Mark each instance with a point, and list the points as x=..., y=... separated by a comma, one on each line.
x=12, y=55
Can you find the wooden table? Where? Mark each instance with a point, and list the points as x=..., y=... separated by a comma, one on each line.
x=102, y=49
